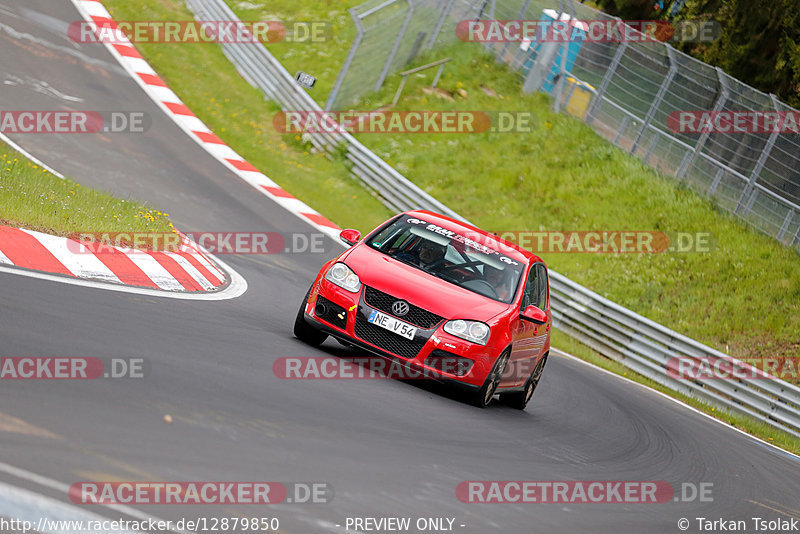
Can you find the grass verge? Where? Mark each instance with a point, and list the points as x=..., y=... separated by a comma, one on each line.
x=33, y=198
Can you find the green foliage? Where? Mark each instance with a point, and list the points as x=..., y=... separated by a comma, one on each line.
x=758, y=43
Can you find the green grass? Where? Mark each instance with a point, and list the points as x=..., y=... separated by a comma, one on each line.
x=742, y=298
x=205, y=80
x=33, y=198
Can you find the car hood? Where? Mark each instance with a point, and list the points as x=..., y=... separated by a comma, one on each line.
x=386, y=274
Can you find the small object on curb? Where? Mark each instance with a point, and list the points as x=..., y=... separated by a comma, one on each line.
x=305, y=80
x=167, y=418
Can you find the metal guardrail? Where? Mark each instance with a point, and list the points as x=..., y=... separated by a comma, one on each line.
x=616, y=332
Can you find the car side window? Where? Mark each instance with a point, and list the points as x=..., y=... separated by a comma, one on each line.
x=541, y=278
x=530, y=295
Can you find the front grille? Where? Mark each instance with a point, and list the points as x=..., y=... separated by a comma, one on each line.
x=388, y=341
x=334, y=314
x=416, y=315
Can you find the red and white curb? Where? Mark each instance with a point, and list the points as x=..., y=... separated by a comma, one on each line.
x=168, y=101
x=186, y=269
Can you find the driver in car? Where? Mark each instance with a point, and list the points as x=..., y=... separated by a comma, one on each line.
x=497, y=278
x=429, y=255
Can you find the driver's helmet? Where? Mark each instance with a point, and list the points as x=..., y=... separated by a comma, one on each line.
x=496, y=277
x=431, y=252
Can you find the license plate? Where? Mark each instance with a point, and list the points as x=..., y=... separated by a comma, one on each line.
x=392, y=325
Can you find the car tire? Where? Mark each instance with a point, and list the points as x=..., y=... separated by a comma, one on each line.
x=304, y=331
x=520, y=399
x=483, y=397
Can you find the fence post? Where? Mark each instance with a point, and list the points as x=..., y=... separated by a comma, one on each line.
x=659, y=97
x=559, y=89
x=762, y=159
x=348, y=61
x=796, y=238
x=397, y=41
x=522, y=12
x=722, y=96
x=435, y=33
x=785, y=226
x=601, y=91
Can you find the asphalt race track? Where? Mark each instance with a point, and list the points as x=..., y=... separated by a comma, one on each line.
x=388, y=448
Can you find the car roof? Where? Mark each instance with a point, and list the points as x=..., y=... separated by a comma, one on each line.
x=491, y=240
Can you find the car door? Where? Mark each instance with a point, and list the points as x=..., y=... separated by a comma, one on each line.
x=527, y=337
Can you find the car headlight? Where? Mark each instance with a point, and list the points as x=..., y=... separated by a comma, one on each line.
x=344, y=277
x=474, y=331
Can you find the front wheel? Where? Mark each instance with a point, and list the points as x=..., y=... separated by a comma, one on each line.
x=520, y=399
x=483, y=397
x=304, y=331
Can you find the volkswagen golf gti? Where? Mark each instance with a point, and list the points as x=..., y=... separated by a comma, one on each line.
x=444, y=297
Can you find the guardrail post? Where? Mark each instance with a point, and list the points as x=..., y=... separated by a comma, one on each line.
x=673, y=70
x=395, y=47
x=348, y=61
x=612, y=68
x=762, y=159
x=722, y=96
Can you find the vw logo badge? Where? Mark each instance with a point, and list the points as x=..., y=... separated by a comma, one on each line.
x=400, y=308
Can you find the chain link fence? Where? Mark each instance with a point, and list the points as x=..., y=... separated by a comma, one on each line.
x=631, y=89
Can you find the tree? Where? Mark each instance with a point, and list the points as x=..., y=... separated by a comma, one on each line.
x=758, y=43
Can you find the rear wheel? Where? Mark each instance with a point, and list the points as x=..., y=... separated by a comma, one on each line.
x=483, y=397
x=304, y=331
x=520, y=399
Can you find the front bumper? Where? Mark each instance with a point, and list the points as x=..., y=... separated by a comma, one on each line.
x=346, y=316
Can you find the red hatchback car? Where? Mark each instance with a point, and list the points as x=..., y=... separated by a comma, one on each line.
x=445, y=297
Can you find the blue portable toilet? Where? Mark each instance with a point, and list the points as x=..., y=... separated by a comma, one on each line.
x=548, y=53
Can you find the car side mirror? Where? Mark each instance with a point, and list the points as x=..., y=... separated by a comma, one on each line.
x=534, y=315
x=350, y=236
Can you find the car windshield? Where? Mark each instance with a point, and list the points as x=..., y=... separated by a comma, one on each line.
x=451, y=256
